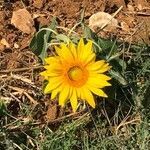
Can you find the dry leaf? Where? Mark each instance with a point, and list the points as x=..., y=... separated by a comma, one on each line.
x=117, y=3
x=130, y=8
x=27, y=119
x=125, y=26
x=18, y=77
x=22, y=20
x=2, y=47
x=2, y=20
x=129, y=20
x=38, y=3
x=51, y=112
x=141, y=4
x=36, y=15
x=101, y=19
x=34, y=102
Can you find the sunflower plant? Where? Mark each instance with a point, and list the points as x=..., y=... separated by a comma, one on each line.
x=77, y=70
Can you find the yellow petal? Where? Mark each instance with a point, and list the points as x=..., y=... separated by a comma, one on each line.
x=44, y=73
x=82, y=93
x=89, y=59
x=88, y=47
x=64, y=95
x=97, y=82
x=56, y=91
x=95, y=85
x=54, y=82
x=64, y=52
x=58, y=50
x=54, y=69
x=80, y=47
x=99, y=66
x=73, y=50
x=86, y=53
x=89, y=97
x=86, y=50
x=49, y=74
x=73, y=100
x=78, y=92
x=53, y=66
x=98, y=92
x=96, y=65
x=52, y=60
x=100, y=77
x=104, y=68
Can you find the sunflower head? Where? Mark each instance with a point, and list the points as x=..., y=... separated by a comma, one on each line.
x=74, y=74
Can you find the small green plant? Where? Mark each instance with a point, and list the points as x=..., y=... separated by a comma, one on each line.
x=2, y=107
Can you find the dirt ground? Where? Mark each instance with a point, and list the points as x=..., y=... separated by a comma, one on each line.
x=19, y=67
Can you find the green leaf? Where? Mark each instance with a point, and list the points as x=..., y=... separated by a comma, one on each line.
x=74, y=39
x=41, y=39
x=88, y=33
x=82, y=15
x=2, y=107
x=63, y=38
x=43, y=53
x=116, y=75
x=39, y=44
x=33, y=43
x=115, y=56
x=109, y=47
x=53, y=27
x=123, y=64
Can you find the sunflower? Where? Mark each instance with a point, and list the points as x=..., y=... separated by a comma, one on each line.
x=74, y=74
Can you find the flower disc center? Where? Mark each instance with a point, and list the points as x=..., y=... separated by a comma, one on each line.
x=75, y=73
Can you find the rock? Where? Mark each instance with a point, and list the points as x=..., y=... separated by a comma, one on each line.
x=22, y=20
x=101, y=19
x=5, y=43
